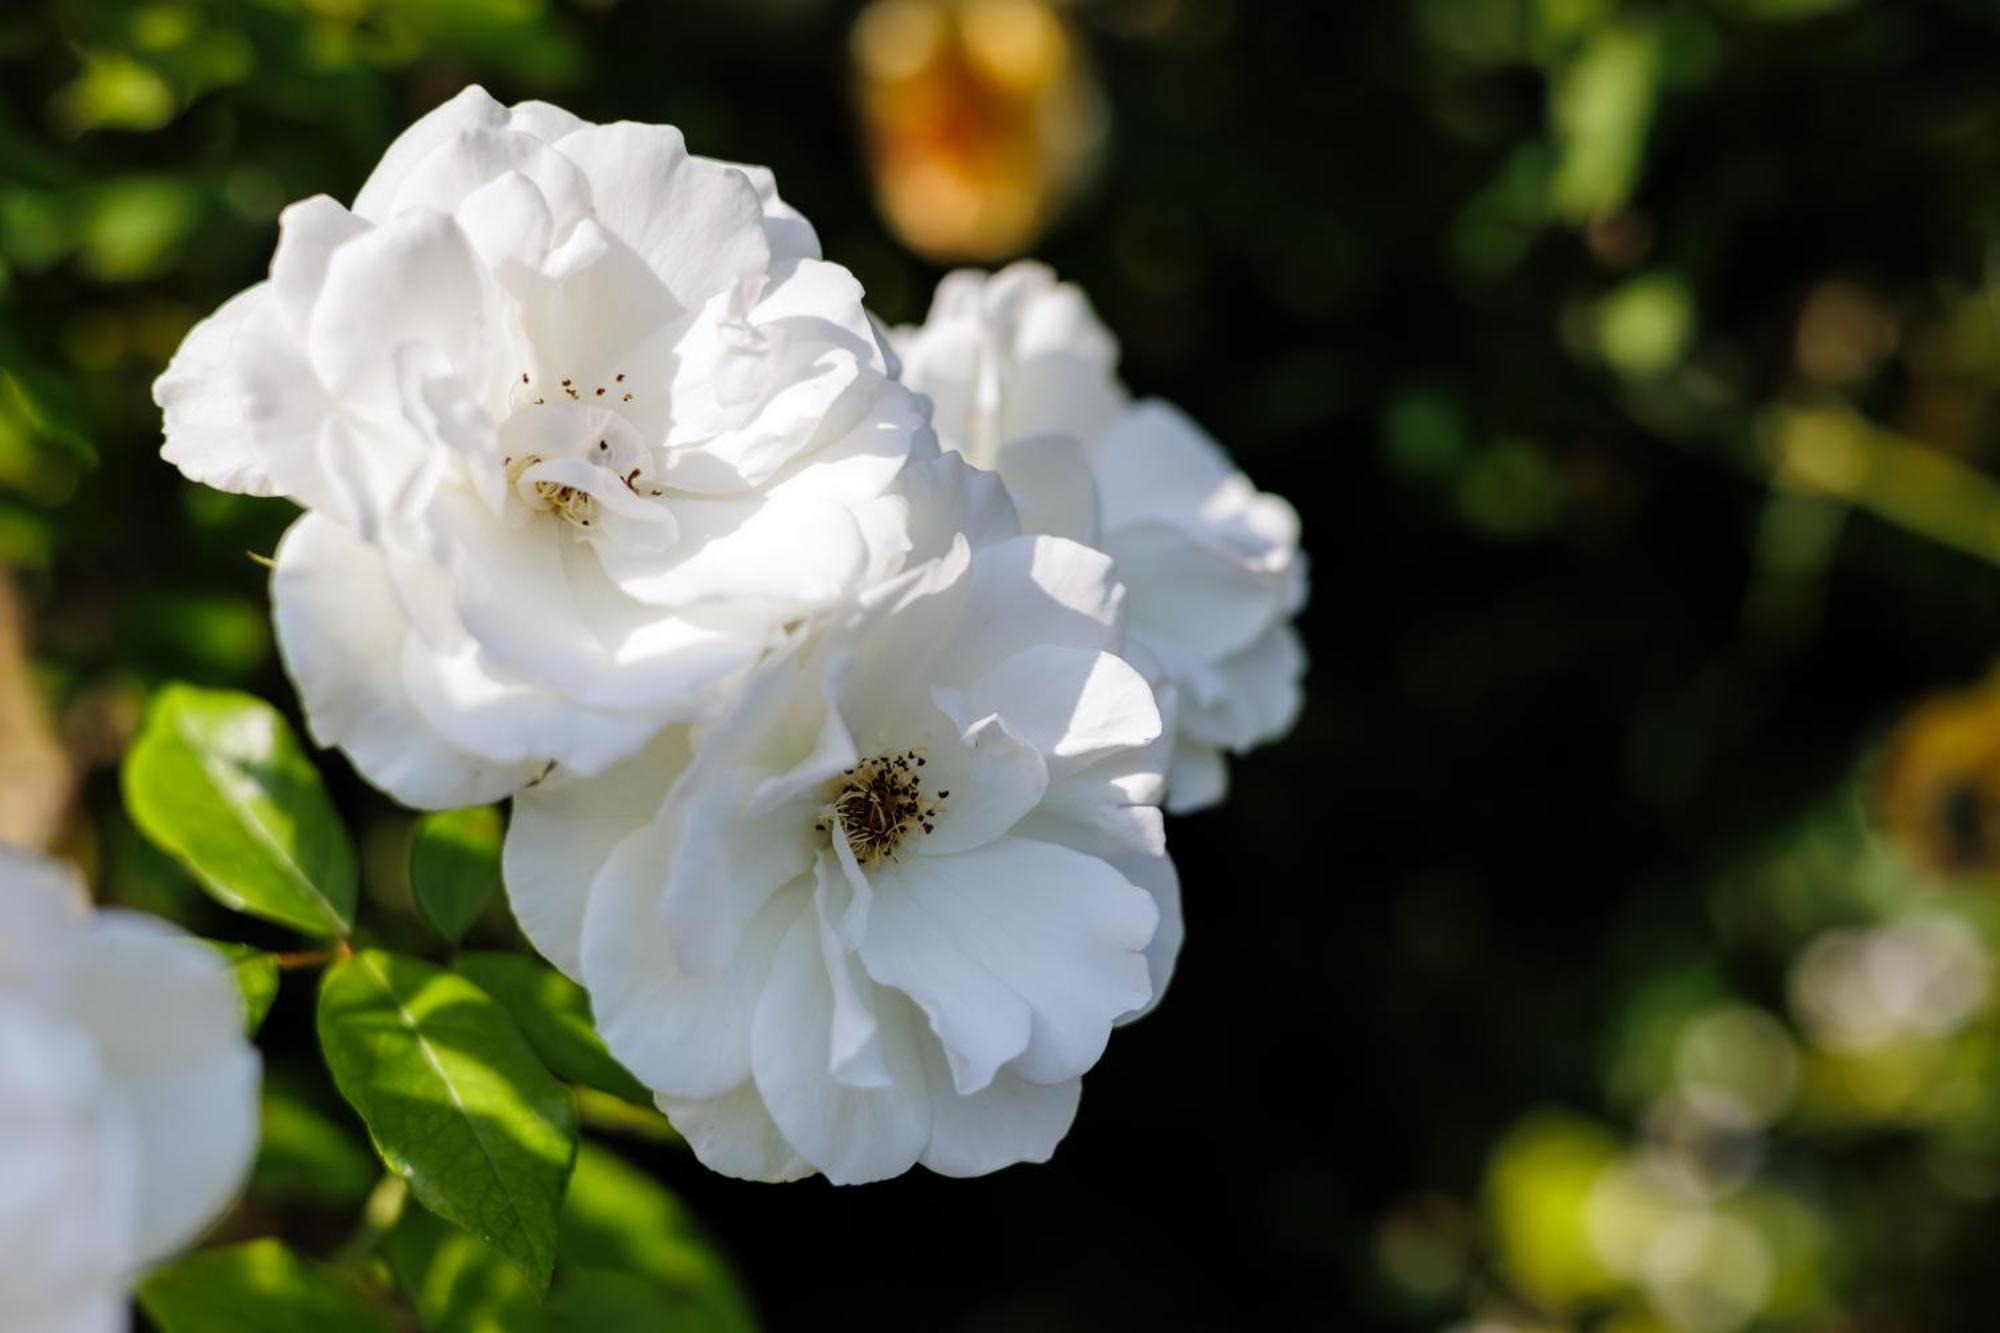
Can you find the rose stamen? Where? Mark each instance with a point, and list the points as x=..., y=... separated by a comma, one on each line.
x=877, y=805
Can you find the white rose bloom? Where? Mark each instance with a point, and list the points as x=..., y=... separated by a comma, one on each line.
x=887, y=908
x=583, y=425
x=128, y=1099
x=1024, y=377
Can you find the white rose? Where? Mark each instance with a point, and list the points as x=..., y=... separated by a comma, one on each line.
x=887, y=908
x=583, y=426
x=128, y=1099
x=1024, y=377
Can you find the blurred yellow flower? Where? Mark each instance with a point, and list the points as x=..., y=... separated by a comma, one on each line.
x=1939, y=793
x=983, y=120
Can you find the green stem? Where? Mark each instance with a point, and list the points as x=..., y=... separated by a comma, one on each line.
x=379, y=1216
x=1834, y=452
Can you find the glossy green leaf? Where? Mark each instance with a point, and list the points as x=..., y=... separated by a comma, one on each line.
x=256, y=978
x=455, y=1099
x=553, y=1013
x=454, y=1283
x=261, y=1287
x=619, y=1218
x=217, y=779
x=455, y=867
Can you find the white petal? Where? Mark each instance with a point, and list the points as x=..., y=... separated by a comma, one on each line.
x=42, y=911
x=562, y=832
x=68, y=1216
x=107, y=1311
x=722, y=864
x=947, y=496
x=591, y=313
x=546, y=122
x=1111, y=809
x=1055, y=318
x=1033, y=590
x=242, y=407
x=1198, y=779
x=1072, y=705
x=920, y=947
x=888, y=432
x=1050, y=481
x=508, y=222
x=1262, y=695
x=1156, y=464
x=341, y=632
x=697, y=223
x=685, y=1037
x=1157, y=876
x=820, y=303
x=1060, y=393
x=198, y=1131
x=510, y=723
x=413, y=280
x=1190, y=596
x=805, y=397
x=472, y=107
x=1010, y=356
x=735, y=1135
x=451, y=173
x=784, y=555
x=1110, y=806
x=309, y=231
x=155, y=998
x=1010, y=1121
x=165, y=1011
x=906, y=624
x=995, y=778
x=791, y=237
x=832, y=745
x=854, y=1046
x=529, y=597
x=851, y=1134
x=1064, y=932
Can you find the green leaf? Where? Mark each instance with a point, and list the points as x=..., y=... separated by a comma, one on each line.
x=256, y=977
x=591, y=1300
x=455, y=867
x=454, y=1098
x=454, y=1283
x=261, y=1287
x=217, y=779
x=553, y=1013
x=308, y=1156
x=622, y=1219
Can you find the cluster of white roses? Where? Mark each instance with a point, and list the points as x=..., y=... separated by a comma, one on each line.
x=837, y=757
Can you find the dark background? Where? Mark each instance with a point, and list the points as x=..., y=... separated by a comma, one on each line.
x=1563, y=674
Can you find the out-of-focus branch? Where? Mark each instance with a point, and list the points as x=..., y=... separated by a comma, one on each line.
x=37, y=782
x=1834, y=452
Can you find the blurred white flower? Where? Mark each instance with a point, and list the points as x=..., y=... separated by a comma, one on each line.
x=128, y=1099
x=1736, y=1068
x=583, y=425
x=1862, y=990
x=1703, y=1269
x=886, y=909
x=1024, y=378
